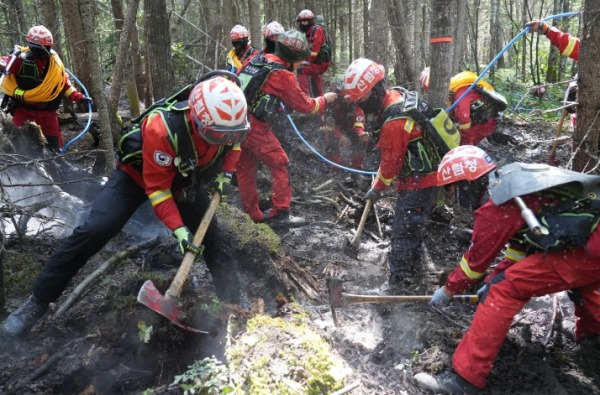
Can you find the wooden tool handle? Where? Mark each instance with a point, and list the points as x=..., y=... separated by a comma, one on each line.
x=361, y=226
x=189, y=258
x=558, y=132
x=353, y=299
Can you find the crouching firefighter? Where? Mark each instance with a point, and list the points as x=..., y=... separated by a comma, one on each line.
x=269, y=81
x=165, y=157
x=554, y=213
x=413, y=138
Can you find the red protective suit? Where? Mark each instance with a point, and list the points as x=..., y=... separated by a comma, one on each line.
x=27, y=111
x=566, y=43
x=314, y=70
x=349, y=123
x=535, y=275
x=470, y=134
x=262, y=145
x=160, y=171
x=395, y=136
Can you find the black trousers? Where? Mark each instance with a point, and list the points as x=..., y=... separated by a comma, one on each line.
x=412, y=209
x=115, y=204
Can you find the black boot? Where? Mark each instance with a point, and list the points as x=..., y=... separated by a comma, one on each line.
x=448, y=382
x=282, y=219
x=20, y=321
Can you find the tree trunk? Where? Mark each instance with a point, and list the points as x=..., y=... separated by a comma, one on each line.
x=13, y=26
x=406, y=72
x=365, y=27
x=138, y=64
x=93, y=59
x=553, y=56
x=459, y=36
x=254, y=22
x=524, y=20
x=159, y=48
x=441, y=51
x=350, y=35
x=588, y=96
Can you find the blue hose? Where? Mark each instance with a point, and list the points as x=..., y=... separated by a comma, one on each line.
x=89, y=121
x=567, y=14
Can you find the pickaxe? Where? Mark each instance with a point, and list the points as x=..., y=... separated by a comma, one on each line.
x=168, y=305
x=552, y=161
x=339, y=299
x=350, y=247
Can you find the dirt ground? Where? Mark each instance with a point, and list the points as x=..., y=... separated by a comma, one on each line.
x=95, y=348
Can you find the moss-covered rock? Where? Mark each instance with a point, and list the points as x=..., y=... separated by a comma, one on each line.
x=20, y=272
x=245, y=230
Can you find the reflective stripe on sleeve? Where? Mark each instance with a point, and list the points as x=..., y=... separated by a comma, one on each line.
x=514, y=255
x=314, y=53
x=570, y=46
x=409, y=125
x=160, y=196
x=386, y=181
x=465, y=126
x=464, y=265
x=317, y=107
x=69, y=91
x=359, y=125
x=237, y=147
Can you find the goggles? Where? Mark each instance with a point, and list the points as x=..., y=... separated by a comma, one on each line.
x=221, y=135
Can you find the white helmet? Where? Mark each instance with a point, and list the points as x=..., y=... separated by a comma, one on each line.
x=273, y=30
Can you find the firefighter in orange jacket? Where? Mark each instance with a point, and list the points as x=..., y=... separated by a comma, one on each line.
x=269, y=81
x=416, y=185
x=35, y=83
x=570, y=261
x=179, y=145
x=320, y=56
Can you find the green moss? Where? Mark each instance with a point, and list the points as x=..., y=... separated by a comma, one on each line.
x=157, y=280
x=20, y=272
x=242, y=226
x=119, y=305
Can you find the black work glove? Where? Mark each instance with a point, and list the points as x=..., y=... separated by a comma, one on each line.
x=540, y=27
x=186, y=241
x=85, y=101
x=223, y=184
x=373, y=194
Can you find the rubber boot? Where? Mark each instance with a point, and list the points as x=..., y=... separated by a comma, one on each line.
x=20, y=321
x=448, y=382
x=282, y=219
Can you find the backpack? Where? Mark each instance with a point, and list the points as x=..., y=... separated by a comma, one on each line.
x=325, y=50
x=494, y=100
x=253, y=76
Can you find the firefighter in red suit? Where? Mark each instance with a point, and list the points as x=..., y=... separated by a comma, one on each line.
x=35, y=83
x=567, y=44
x=168, y=171
x=417, y=190
x=320, y=56
x=347, y=129
x=242, y=51
x=269, y=81
x=472, y=128
x=541, y=273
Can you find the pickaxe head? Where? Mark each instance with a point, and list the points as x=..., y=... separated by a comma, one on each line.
x=334, y=289
x=165, y=306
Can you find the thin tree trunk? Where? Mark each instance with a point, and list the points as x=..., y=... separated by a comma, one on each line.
x=254, y=22
x=350, y=31
x=553, y=56
x=365, y=27
x=159, y=45
x=459, y=35
x=524, y=20
x=441, y=52
x=404, y=53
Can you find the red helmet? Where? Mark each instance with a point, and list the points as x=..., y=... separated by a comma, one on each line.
x=218, y=108
x=466, y=162
x=40, y=35
x=304, y=15
x=424, y=80
x=362, y=75
x=273, y=30
x=238, y=32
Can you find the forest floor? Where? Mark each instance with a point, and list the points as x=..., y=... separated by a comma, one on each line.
x=288, y=343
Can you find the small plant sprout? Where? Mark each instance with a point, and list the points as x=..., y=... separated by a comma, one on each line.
x=145, y=331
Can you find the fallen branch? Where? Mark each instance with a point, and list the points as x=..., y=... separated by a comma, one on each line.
x=228, y=356
x=347, y=389
x=378, y=222
x=88, y=280
x=537, y=112
x=323, y=185
x=342, y=214
x=552, y=319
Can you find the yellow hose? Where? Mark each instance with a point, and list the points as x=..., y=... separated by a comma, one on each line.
x=48, y=90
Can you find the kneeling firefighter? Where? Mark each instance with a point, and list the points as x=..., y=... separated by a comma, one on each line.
x=165, y=157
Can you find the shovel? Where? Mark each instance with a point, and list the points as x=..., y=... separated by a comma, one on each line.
x=350, y=247
x=168, y=305
x=552, y=161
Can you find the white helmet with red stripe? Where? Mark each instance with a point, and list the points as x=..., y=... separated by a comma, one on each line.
x=40, y=35
x=273, y=30
x=362, y=75
x=218, y=108
x=424, y=80
x=305, y=15
x=238, y=32
x=466, y=162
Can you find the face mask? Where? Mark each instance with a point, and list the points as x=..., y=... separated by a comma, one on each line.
x=239, y=46
x=372, y=105
x=305, y=28
x=269, y=46
x=39, y=53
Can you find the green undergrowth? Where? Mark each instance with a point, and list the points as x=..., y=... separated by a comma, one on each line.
x=246, y=231
x=20, y=272
x=285, y=357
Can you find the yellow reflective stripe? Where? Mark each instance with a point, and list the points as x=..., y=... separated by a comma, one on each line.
x=464, y=265
x=359, y=125
x=317, y=107
x=570, y=46
x=160, y=196
x=19, y=93
x=237, y=147
x=408, y=126
x=465, y=126
x=314, y=53
x=69, y=91
x=514, y=255
x=386, y=181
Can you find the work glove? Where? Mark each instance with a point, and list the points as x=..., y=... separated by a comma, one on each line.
x=373, y=194
x=223, y=184
x=482, y=293
x=540, y=27
x=439, y=299
x=186, y=241
x=305, y=63
x=85, y=101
